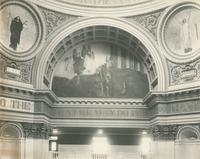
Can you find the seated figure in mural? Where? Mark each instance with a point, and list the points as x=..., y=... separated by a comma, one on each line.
x=15, y=28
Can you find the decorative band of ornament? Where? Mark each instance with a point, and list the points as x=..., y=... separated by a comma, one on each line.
x=104, y=3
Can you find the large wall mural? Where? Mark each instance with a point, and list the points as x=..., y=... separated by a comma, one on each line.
x=99, y=70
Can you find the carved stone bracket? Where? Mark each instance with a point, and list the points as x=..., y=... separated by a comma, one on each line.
x=17, y=71
x=55, y=19
x=36, y=130
x=148, y=21
x=164, y=132
x=184, y=73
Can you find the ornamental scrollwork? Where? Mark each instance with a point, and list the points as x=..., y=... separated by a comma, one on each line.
x=164, y=132
x=184, y=73
x=36, y=130
x=54, y=19
x=15, y=70
x=149, y=21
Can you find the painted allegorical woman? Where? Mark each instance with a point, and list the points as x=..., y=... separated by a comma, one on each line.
x=16, y=27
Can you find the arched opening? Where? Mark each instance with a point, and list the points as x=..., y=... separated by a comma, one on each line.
x=187, y=143
x=11, y=145
x=127, y=36
x=101, y=61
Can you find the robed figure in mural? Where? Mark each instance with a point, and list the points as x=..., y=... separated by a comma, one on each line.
x=16, y=27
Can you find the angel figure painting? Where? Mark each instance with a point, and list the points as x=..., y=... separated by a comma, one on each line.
x=18, y=28
x=183, y=30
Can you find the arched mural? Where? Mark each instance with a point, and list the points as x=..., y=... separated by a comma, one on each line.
x=100, y=70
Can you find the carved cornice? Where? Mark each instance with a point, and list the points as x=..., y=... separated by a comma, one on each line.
x=164, y=132
x=100, y=102
x=36, y=130
x=155, y=97
x=29, y=94
x=169, y=132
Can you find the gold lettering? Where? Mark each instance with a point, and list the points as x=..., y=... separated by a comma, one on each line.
x=2, y=102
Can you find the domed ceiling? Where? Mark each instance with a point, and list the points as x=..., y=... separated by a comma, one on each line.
x=103, y=3
x=104, y=7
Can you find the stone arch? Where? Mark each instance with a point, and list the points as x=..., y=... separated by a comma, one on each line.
x=12, y=141
x=15, y=129
x=131, y=28
x=188, y=133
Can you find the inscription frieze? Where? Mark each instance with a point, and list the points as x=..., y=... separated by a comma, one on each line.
x=16, y=104
x=100, y=113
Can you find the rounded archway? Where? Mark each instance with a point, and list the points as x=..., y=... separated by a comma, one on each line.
x=148, y=52
x=11, y=141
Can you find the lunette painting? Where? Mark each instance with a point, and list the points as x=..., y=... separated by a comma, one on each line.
x=96, y=70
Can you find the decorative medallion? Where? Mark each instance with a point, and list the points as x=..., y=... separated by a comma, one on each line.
x=21, y=29
x=180, y=31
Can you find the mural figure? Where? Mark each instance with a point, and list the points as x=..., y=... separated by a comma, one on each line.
x=185, y=24
x=106, y=78
x=182, y=31
x=78, y=62
x=89, y=61
x=16, y=27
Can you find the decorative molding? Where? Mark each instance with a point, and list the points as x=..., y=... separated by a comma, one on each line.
x=36, y=130
x=183, y=73
x=179, y=108
x=100, y=102
x=55, y=19
x=103, y=3
x=16, y=71
x=148, y=21
x=164, y=132
x=118, y=8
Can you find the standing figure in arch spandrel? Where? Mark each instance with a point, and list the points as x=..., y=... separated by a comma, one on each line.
x=16, y=27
